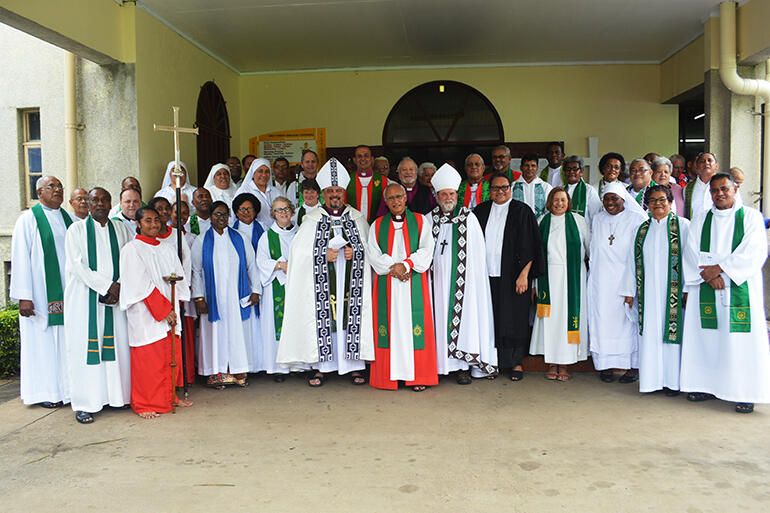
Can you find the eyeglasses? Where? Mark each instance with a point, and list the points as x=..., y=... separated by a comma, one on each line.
x=500, y=188
x=220, y=215
x=246, y=209
x=655, y=201
x=282, y=209
x=53, y=188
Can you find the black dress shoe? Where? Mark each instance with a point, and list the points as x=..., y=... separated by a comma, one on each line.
x=670, y=393
x=697, y=397
x=607, y=376
x=629, y=378
x=279, y=378
x=50, y=405
x=464, y=377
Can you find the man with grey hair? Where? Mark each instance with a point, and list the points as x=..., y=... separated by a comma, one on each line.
x=641, y=178
x=585, y=199
x=382, y=166
x=474, y=190
x=78, y=203
x=661, y=175
x=425, y=172
x=679, y=169
x=419, y=198
x=37, y=284
x=501, y=163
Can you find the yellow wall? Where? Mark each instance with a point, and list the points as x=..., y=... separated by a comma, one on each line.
x=618, y=103
x=101, y=25
x=170, y=71
x=753, y=34
x=683, y=70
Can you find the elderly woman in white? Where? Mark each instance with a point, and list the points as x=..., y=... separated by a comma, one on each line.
x=219, y=184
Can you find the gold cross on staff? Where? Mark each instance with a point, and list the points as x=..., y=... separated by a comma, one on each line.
x=177, y=130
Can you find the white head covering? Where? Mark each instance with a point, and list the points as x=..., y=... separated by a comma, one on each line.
x=218, y=194
x=615, y=188
x=446, y=177
x=169, y=167
x=333, y=174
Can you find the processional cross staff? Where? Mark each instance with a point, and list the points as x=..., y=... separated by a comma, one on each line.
x=177, y=174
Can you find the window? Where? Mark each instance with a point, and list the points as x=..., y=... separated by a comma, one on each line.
x=33, y=162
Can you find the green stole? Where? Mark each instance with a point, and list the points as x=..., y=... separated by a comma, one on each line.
x=688, y=192
x=374, y=198
x=579, y=198
x=740, y=310
x=640, y=194
x=546, y=172
x=464, y=194
x=279, y=291
x=573, y=276
x=195, y=227
x=53, y=284
x=672, y=334
x=385, y=234
x=108, y=337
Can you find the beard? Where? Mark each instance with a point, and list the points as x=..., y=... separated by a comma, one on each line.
x=448, y=205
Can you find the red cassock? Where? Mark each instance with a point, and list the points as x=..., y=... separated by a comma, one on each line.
x=425, y=366
x=150, y=365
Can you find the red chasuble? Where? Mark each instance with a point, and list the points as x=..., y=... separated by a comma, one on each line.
x=150, y=365
x=425, y=371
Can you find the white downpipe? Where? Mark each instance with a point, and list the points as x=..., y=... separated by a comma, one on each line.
x=728, y=72
x=70, y=123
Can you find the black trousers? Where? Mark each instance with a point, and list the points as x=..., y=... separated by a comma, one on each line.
x=510, y=350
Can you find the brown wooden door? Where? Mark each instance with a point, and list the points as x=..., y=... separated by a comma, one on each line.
x=214, y=130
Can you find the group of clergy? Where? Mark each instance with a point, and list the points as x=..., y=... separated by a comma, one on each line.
x=337, y=270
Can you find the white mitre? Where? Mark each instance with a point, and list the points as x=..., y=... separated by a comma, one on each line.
x=446, y=177
x=333, y=174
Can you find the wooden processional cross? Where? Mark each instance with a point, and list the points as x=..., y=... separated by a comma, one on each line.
x=177, y=130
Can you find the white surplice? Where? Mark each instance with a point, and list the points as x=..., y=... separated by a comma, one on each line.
x=130, y=224
x=554, y=176
x=593, y=203
x=94, y=386
x=43, y=365
x=268, y=274
x=613, y=335
x=477, y=328
x=254, y=339
x=299, y=340
x=659, y=362
x=549, y=334
x=732, y=366
x=142, y=269
x=400, y=307
x=701, y=198
x=529, y=191
x=225, y=344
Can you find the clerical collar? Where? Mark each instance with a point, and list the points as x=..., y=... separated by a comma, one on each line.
x=286, y=228
x=364, y=174
x=165, y=235
x=398, y=218
x=48, y=208
x=502, y=205
x=336, y=212
x=152, y=241
x=124, y=216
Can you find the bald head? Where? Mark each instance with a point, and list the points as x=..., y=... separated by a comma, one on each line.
x=78, y=202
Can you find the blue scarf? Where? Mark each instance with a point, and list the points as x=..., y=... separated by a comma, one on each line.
x=208, y=272
x=256, y=232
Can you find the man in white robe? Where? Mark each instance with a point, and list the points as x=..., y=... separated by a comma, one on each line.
x=78, y=203
x=200, y=220
x=406, y=345
x=697, y=195
x=553, y=172
x=39, y=290
x=725, y=348
x=530, y=188
x=331, y=328
x=130, y=202
x=460, y=286
x=225, y=287
x=612, y=325
x=657, y=258
x=128, y=182
x=100, y=371
x=585, y=199
x=257, y=182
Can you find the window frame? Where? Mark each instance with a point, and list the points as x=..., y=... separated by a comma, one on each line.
x=26, y=145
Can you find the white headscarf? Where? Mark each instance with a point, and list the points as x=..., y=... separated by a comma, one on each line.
x=218, y=194
x=167, y=190
x=617, y=188
x=248, y=185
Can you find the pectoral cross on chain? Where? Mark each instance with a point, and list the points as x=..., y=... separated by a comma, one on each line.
x=611, y=238
x=443, y=245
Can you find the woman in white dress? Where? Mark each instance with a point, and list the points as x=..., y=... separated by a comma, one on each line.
x=272, y=260
x=560, y=333
x=219, y=184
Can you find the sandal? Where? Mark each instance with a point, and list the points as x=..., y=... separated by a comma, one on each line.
x=419, y=388
x=279, y=378
x=517, y=375
x=744, y=407
x=83, y=417
x=464, y=377
x=552, y=374
x=563, y=376
x=319, y=377
x=358, y=379
x=241, y=382
x=697, y=397
x=215, y=381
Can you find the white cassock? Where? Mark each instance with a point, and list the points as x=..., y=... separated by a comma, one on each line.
x=530, y=196
x=224, y=345
x=130, y=224
x=298, y=342
x=701, y=198
x=593, y=202
x=477, y=328
x=549, y=334
x=203, y=226
x=142, y=269
x=43, y=365
x=732, y=366
x=94, y=386
x=400, y=307
x=268, y=275
x=283, y=189
x=554, y=176
x=612, y=326
x=254, y=339
x=658, y=361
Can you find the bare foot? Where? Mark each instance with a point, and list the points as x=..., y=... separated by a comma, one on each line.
x=148, y=414
x=183, y=403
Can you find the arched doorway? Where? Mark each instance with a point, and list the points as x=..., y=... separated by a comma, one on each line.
x=214, y=130
x=442, y=121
